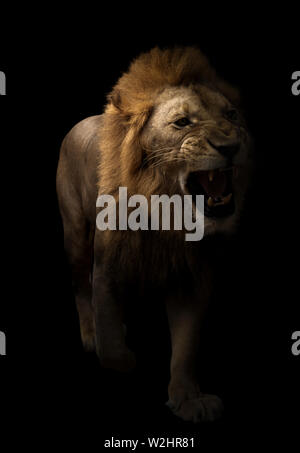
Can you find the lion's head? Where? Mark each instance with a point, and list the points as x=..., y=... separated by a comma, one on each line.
x=173, y=126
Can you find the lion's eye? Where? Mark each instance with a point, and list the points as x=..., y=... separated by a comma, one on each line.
x=182, y=122
x=232, y=115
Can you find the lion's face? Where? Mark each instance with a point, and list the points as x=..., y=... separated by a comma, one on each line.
x=196, y=136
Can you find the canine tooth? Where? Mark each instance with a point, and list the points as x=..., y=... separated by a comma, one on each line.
x=211, y=175
x=227, y=198
x=210, y=202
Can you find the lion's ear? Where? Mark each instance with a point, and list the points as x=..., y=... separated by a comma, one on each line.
x=115, y=99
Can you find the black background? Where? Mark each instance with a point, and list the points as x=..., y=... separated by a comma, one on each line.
x=59, y=69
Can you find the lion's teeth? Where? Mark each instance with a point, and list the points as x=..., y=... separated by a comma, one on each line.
x=211, y=175
x=224, y=200
x=210, y=202
x=227, y=198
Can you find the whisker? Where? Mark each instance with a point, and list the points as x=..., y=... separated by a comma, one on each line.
x=157, y=155
x=153, y=150
x=161, y=161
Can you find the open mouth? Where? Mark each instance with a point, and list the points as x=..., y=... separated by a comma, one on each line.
x=216, y=186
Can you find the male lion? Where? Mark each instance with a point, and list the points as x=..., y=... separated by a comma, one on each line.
x=171, y=126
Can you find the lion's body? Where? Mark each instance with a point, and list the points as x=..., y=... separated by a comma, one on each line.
x=140, y=144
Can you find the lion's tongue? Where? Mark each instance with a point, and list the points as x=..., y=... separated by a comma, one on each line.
x=213, y=182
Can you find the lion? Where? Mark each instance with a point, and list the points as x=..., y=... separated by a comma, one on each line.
x=171, y=126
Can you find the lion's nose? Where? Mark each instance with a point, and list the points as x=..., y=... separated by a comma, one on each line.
x=227, y=150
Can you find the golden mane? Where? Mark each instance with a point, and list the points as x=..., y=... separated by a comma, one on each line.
x=130, y=104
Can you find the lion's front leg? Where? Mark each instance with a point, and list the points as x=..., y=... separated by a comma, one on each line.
x=185, y=315
x=110, y=336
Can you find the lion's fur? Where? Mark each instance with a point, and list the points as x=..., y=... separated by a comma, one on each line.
x=130, y=104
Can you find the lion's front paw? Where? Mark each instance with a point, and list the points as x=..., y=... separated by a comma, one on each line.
x=202, y=408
